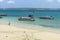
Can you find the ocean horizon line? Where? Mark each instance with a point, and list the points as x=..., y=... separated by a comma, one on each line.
x=29, y=8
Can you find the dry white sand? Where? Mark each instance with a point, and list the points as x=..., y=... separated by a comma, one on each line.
x=14, y=33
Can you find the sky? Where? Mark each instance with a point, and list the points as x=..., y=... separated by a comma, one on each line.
x=29, y=3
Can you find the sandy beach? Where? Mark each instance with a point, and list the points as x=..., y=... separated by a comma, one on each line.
x=14, y=33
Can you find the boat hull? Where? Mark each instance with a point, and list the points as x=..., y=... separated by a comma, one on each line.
x=50, y=18
x=23, y=19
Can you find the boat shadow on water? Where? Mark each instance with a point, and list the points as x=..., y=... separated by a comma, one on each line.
x=47, y=25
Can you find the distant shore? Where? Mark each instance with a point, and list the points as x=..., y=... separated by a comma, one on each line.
x=29, y=8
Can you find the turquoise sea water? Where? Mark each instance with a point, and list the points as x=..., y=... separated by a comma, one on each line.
x=13, y=16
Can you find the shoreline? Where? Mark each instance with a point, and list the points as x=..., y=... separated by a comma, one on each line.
x=14, y=33
x=39, y=28
x=32, y=27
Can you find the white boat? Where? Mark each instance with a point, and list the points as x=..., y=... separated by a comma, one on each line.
x=47, y=17
x=26, y=19
x=29, y=18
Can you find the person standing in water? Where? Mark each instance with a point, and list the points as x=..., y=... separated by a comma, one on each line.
x=9, y=23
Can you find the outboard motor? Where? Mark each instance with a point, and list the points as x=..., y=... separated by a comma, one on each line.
x=30, y=16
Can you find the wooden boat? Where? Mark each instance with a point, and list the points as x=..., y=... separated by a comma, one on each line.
x=47, y=17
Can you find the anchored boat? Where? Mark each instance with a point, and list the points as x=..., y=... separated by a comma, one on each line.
x=3, y=14
x=47, y=17
x=28, y=18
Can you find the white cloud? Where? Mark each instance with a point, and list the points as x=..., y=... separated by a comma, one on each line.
x=50, y=0
x=1, y=0
x=11, y=2
x=58, y=0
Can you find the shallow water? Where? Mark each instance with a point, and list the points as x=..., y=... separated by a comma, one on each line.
x=13, y=16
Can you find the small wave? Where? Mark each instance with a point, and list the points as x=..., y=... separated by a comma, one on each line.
x=46, y=25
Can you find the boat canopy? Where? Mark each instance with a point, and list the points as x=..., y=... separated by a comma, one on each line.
x=26, y=17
